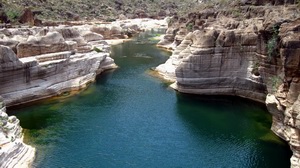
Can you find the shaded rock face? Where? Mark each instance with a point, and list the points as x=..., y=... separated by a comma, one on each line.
x=257, y=57
x=281, y=72
x=13, y=152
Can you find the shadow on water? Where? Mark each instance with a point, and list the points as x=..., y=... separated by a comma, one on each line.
x=235, y=130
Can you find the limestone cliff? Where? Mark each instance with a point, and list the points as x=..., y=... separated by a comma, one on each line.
x=13, y=152
x=249, y=51
x=37, y=63
x=49, y=62
x=281, y=70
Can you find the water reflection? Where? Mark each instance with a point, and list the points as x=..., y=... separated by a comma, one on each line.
x=232, y=130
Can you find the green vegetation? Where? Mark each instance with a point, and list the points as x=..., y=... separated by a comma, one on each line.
x=98, y=50
x=271, y=47
x=255, y=67
x=275, y=83
x=106, y=10
x=219, y=4
x=155, y=38
x=12, y=11
x=236, y=13
x=190, y=26
x=13, y=14
x=272, y=44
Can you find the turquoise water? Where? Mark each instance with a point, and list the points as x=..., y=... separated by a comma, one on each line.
x=130, y=119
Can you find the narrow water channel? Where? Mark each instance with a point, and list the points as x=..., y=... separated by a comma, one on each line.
x=130, y=119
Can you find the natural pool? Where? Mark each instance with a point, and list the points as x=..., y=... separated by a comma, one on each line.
x=130, y=119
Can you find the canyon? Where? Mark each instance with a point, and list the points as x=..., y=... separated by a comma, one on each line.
x=43, y=62
x=249, y=51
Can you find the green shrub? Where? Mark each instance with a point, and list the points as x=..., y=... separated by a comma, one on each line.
x=13, y=13
x=272, y=44
x=271, y=47
x=275, y=83
x=97, y=49
x=190, y=26
x=255, y=68
x=236, y=13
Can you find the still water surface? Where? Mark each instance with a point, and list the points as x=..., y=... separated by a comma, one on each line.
x=130, y=119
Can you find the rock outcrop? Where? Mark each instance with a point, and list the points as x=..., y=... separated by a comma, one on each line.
x=281, y=71
x=250, y=51
x=13, y=152
x=49, y=62
x=219, y=59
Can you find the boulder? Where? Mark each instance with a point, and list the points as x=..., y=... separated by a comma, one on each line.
x=10, y=43
x=7, y=55
x=27, y=17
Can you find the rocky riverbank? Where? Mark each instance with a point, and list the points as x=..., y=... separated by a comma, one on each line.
x=13, y=152
x=251, y=51
x=42, y=62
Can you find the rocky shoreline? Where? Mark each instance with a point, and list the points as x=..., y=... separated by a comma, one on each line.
x=249, y=51
x=42, y=62
x=13, y=152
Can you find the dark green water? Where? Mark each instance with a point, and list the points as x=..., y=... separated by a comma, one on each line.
x=129, y=119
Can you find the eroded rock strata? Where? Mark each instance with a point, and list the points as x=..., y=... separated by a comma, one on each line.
x=249, y=51
x=282, y=75
x=37, y=63
x=41, y=62
x=49, y=62
x=13, y=152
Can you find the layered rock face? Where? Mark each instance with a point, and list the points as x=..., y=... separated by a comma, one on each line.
x=13, y=152
x=49, y=62
x=40, y=62
x=255, y=54
x=216, y=59
x=281, y=70
x=220, y=62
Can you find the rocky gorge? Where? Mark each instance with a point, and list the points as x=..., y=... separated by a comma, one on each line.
x=42, y=62
x=249, y=51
